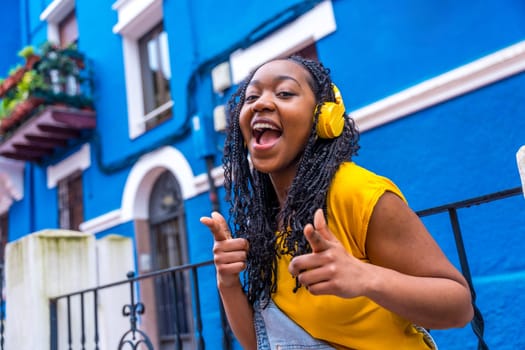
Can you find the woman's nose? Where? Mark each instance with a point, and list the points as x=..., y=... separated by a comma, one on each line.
x=263, y=103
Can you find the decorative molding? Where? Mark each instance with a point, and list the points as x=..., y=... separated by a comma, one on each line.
x=79, y=160
x=143, y=175
x=136, y=17
x=57, y=10
x=11, y=182
x=489, y=69
x=102, y=222
x=117, y=217
x=201, y=181
x=53, y=14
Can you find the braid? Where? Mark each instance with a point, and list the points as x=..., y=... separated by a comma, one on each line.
x=254, y=206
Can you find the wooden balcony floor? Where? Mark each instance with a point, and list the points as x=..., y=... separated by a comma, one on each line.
x=46, y=131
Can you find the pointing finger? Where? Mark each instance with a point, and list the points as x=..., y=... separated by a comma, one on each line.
x=217, y=225
x=321, y=226
x=318, y=234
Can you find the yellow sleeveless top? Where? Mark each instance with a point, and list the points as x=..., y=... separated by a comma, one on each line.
x=356, y=323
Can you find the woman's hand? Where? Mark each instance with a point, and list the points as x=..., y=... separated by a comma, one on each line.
x=408, y=273
x=329, y=269
x=229, y=254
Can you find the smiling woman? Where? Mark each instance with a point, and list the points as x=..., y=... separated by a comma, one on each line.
x=276, y=118
x=332, y=255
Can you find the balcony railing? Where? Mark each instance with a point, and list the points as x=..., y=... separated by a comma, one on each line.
x=45, y=104
x=135, y=338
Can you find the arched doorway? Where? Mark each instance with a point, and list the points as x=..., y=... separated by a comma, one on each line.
x=169, y=248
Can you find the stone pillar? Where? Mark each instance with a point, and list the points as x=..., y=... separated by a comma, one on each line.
x=520, y=156
x=115, y=260
x=41, y=265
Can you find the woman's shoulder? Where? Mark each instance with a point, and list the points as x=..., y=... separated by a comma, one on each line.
x=350, y=172
x=353, y=178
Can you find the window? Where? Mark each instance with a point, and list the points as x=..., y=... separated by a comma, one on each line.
x=70, y=204
x=156, y=74
x=309, y=52
x=168, y=242
x=298, y=36
x=146, y=63
x=61, y=22
x=68, y=30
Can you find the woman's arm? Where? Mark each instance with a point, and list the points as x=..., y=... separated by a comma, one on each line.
x=408, y=273
x=240, y=315
x=229, y=256
x=414, y=278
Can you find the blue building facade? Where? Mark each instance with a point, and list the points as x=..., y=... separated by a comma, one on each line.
x=436, y=87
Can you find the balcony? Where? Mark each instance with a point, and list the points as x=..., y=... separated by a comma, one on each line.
x=45, y=104
x=53, y=127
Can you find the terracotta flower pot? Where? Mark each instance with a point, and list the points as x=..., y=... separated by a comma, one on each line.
x=20, y=112
x=31, y=60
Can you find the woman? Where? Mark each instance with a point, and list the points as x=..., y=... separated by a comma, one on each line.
x=331, y=254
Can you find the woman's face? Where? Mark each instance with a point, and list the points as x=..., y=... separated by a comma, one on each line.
x=276, y=118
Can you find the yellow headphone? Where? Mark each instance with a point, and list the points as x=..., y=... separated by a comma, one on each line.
x=331, y=120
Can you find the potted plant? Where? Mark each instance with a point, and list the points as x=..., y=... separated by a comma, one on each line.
x=22, y=101
x=28, y=53
x=53, y=77
x=61, y=68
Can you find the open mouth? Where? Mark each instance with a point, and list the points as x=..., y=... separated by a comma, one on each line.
x=265, y=133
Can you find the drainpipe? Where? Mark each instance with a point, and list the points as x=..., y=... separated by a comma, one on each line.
x=204, y=139
x=214, y=197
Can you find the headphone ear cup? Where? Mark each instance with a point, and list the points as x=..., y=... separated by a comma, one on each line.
x=331, y=120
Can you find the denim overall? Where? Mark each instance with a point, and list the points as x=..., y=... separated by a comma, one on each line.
x=275, y=331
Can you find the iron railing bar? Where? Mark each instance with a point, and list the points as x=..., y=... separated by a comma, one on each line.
x=198, y=317
x=95, y=304
x=134, y=279
x=175, y=318
x=477, y=323
x=460, y=245
x=69, y=336
x=82, y=323
x=472, y=201
x=53, y=325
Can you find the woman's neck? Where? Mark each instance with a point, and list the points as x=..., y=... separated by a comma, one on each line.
x=281, y=183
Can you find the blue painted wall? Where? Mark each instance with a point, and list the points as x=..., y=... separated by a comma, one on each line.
x=459, y=149
x=390, y=46
x=10, y=18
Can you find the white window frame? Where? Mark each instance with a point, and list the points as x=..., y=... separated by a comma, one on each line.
x=54, y=14
x=135, y=19
x=308, y=28
x=78, y=161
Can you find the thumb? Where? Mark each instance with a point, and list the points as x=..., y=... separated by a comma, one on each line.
x=318, y=234
x=218, y=226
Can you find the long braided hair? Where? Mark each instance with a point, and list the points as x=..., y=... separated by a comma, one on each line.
x=254, y=211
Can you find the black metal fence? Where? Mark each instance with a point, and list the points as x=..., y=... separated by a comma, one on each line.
x=136, y=338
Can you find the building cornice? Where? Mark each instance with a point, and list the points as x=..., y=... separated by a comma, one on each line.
x=484, y=71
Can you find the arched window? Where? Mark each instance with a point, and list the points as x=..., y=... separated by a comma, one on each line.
x=169, y=248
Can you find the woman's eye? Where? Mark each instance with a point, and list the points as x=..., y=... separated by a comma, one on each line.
x=250, y=98
x=285, y=94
